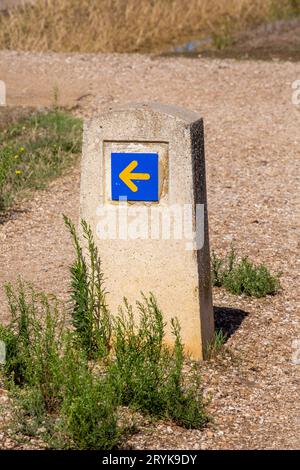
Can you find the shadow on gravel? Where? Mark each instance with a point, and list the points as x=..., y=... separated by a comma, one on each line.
x=228, y=319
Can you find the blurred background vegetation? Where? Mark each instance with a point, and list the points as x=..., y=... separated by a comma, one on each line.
x=132, y=25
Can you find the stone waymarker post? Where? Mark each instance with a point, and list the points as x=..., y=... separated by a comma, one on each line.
x=143, y=193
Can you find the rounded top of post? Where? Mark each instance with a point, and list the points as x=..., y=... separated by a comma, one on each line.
x=174, y=111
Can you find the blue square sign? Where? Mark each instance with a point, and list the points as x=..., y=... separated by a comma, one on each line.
x=134, y=176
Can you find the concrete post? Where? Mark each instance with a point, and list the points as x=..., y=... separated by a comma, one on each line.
x=143, y=192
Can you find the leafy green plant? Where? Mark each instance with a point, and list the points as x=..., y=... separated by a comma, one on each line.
x=86, y=416
x=242, y=276
x=51, y=379
x=29, y=410
x=34, y=339
x=144, y=373
x=35, y=150
x=18, y=335
x=89, y=310
x=70, y=384
x=89, y=416
x=148, y=375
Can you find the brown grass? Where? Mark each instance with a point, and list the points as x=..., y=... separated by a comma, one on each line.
x=125, y=25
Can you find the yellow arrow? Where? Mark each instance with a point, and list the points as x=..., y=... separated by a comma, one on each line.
x=127, y=176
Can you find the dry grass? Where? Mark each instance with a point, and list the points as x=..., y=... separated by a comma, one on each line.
x=126, y=25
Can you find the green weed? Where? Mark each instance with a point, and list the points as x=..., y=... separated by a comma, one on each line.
x=34, y=340
x=89, y=310
x=242, y=276
x=146, y=374
x=51, y=380
x=89, y=414
x=216, y=346
x=69, y=384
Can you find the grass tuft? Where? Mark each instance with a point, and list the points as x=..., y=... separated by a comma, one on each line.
x=35, y=150
x=216, y=346
x=242, y=276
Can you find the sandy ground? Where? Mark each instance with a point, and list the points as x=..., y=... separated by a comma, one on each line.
x=252, y=156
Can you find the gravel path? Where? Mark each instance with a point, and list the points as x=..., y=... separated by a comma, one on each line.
x=252, y=151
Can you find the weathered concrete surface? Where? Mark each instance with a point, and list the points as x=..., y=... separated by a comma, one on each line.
x=179, y=278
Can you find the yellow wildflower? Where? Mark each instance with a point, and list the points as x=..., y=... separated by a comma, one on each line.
x=18, y=172
x=21, y=149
